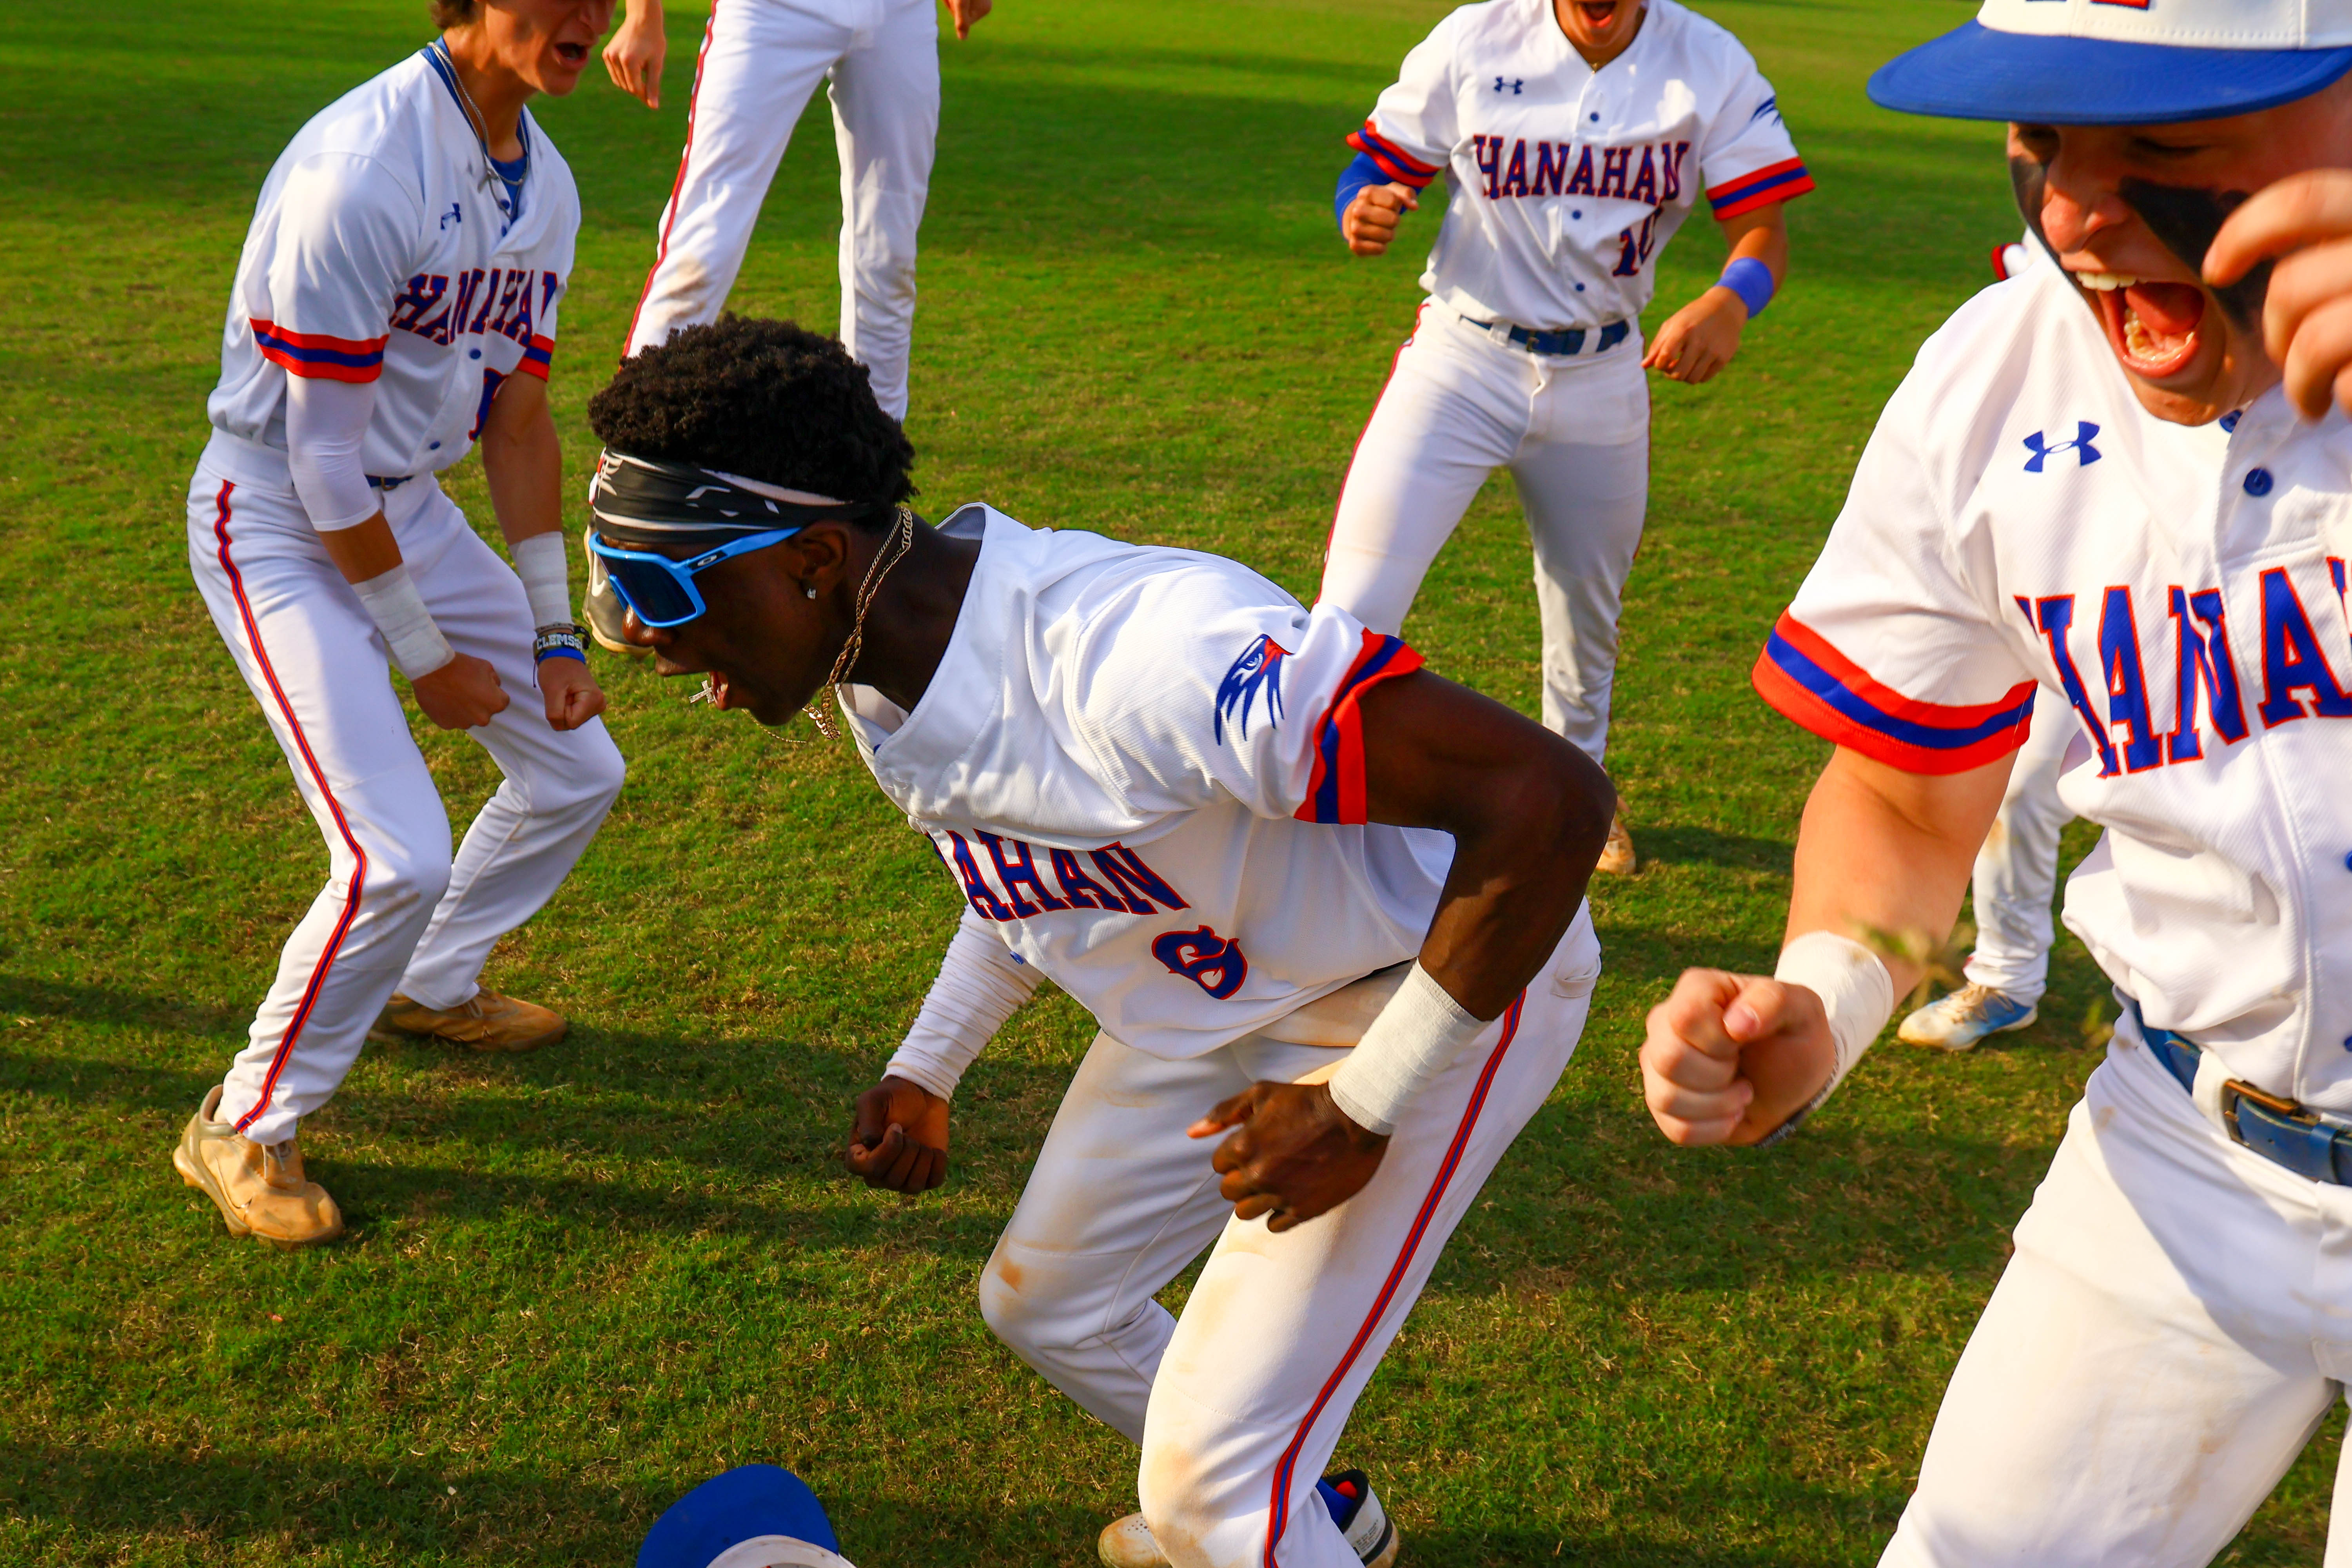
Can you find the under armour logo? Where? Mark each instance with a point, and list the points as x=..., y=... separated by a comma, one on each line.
x=1517, y=87
x=2041, y=448
x=455, y=215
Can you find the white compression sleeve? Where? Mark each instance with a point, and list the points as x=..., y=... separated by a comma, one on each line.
x=326, y=423
x=539, y=562
x=399, y=613
x=1416, y=1036
x=980, y=984
x=1855, y=990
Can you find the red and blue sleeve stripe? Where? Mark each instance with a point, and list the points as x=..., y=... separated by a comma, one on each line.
x=318, y=356
x=537, y=356
x=1335, y=791
x=1776, y=183
x=1812, y=684
x=1396, y=162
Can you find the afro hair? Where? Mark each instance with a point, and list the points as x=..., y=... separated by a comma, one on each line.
x=766, y=399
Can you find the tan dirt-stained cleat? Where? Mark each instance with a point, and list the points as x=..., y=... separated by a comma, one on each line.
x=1617, y=855
x=1128, y=1543
x=260, y=1191
x=488, y=1022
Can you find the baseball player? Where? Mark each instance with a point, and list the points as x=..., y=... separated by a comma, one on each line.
x=397, y=303
x=2116, y=482
x=1218, y=820
x=1575, y=136
x=761, y=60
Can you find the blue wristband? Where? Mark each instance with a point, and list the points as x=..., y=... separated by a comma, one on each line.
x=1752, y=281
x=1353, y=178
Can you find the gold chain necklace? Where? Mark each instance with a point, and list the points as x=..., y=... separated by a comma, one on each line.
x=901, y=540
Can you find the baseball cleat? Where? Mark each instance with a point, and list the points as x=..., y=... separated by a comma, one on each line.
x=1958, y=1021
x=1617, y=855
x=488, y=1022
x=1354, y=1506
x=259, y=1190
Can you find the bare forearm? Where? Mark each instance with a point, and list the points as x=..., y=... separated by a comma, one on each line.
x=1886, y=852
x=523, y=468
x=1760, y=236
x=364, y=552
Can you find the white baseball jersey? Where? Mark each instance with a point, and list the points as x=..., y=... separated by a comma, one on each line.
x=379, y=254
x=1145, y=768
x=2018, y=518
x=1563, y=183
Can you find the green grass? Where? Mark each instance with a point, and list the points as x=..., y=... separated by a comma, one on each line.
x=582, y=1281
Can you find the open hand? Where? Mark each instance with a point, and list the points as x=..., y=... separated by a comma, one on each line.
x=572, y=695
x=1371, y=219
x=1729, y=1057
x=635, y=54
x=899, y=1139
x=1293, y=1154
x=1699, y=339
x=463, y=694
x=2304, y=223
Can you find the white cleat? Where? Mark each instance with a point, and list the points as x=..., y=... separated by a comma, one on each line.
x=1354, y=1506
x=1958, y=1021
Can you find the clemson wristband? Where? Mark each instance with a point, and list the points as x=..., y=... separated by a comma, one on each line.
x=559, y=641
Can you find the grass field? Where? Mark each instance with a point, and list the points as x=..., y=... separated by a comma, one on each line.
x=580, y=1281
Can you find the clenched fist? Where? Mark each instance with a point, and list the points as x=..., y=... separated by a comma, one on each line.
x=1728, y=1058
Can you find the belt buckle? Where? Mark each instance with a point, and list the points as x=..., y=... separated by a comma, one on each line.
x=2295, y=1140
x=2234, y=1091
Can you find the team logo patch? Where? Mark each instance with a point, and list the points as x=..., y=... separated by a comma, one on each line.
x=1259, y=669
x=2043, y=449
x=1211, y=962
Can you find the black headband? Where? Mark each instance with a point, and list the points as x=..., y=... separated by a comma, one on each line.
x=642, y=503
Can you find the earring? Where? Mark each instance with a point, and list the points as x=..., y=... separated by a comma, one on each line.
x=808, y=590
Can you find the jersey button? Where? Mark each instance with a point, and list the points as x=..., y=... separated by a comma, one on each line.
x=1576, y=211
x=2348, y=862
x=433, y=446
x=1579, y=288
x=477, y=353
x=2230, y=420
x=2258, y=481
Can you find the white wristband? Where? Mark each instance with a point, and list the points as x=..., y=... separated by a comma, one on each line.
x=539, y=562
x=1416, y=1036
x=1855, y=990
x=399, y=613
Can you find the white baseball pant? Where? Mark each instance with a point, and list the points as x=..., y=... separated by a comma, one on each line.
x=398, y=912
x=1575, y=434
x=2172, y=1328
x=1238, y=1404
x=2017, y=870
x=761, y=60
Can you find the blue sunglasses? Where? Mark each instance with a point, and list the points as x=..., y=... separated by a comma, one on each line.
x=660, y=590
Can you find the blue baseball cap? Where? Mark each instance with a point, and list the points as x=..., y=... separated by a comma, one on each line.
x=2122, y=62
x=755, y=1516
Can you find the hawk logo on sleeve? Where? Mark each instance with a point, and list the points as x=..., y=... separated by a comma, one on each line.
x=1259, y=669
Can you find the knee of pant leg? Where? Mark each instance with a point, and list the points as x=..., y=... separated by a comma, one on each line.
x=405, y=881
x=1013, y=1316
x=587, y=780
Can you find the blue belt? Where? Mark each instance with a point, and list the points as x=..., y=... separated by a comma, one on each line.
x=1570, y=341
x=2279, y=1130
x=379, y=482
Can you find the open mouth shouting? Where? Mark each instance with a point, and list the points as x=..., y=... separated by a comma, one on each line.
x=574, y=56
x=1597, y=14
x=2151, y=327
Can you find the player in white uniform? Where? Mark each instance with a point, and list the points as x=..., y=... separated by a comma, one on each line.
x=1217, y=820
x=2116, y=482
x=1575, y=136
x=761, y=60
x=395, y=303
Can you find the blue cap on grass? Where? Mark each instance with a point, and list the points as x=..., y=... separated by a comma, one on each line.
x=755, y=1516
